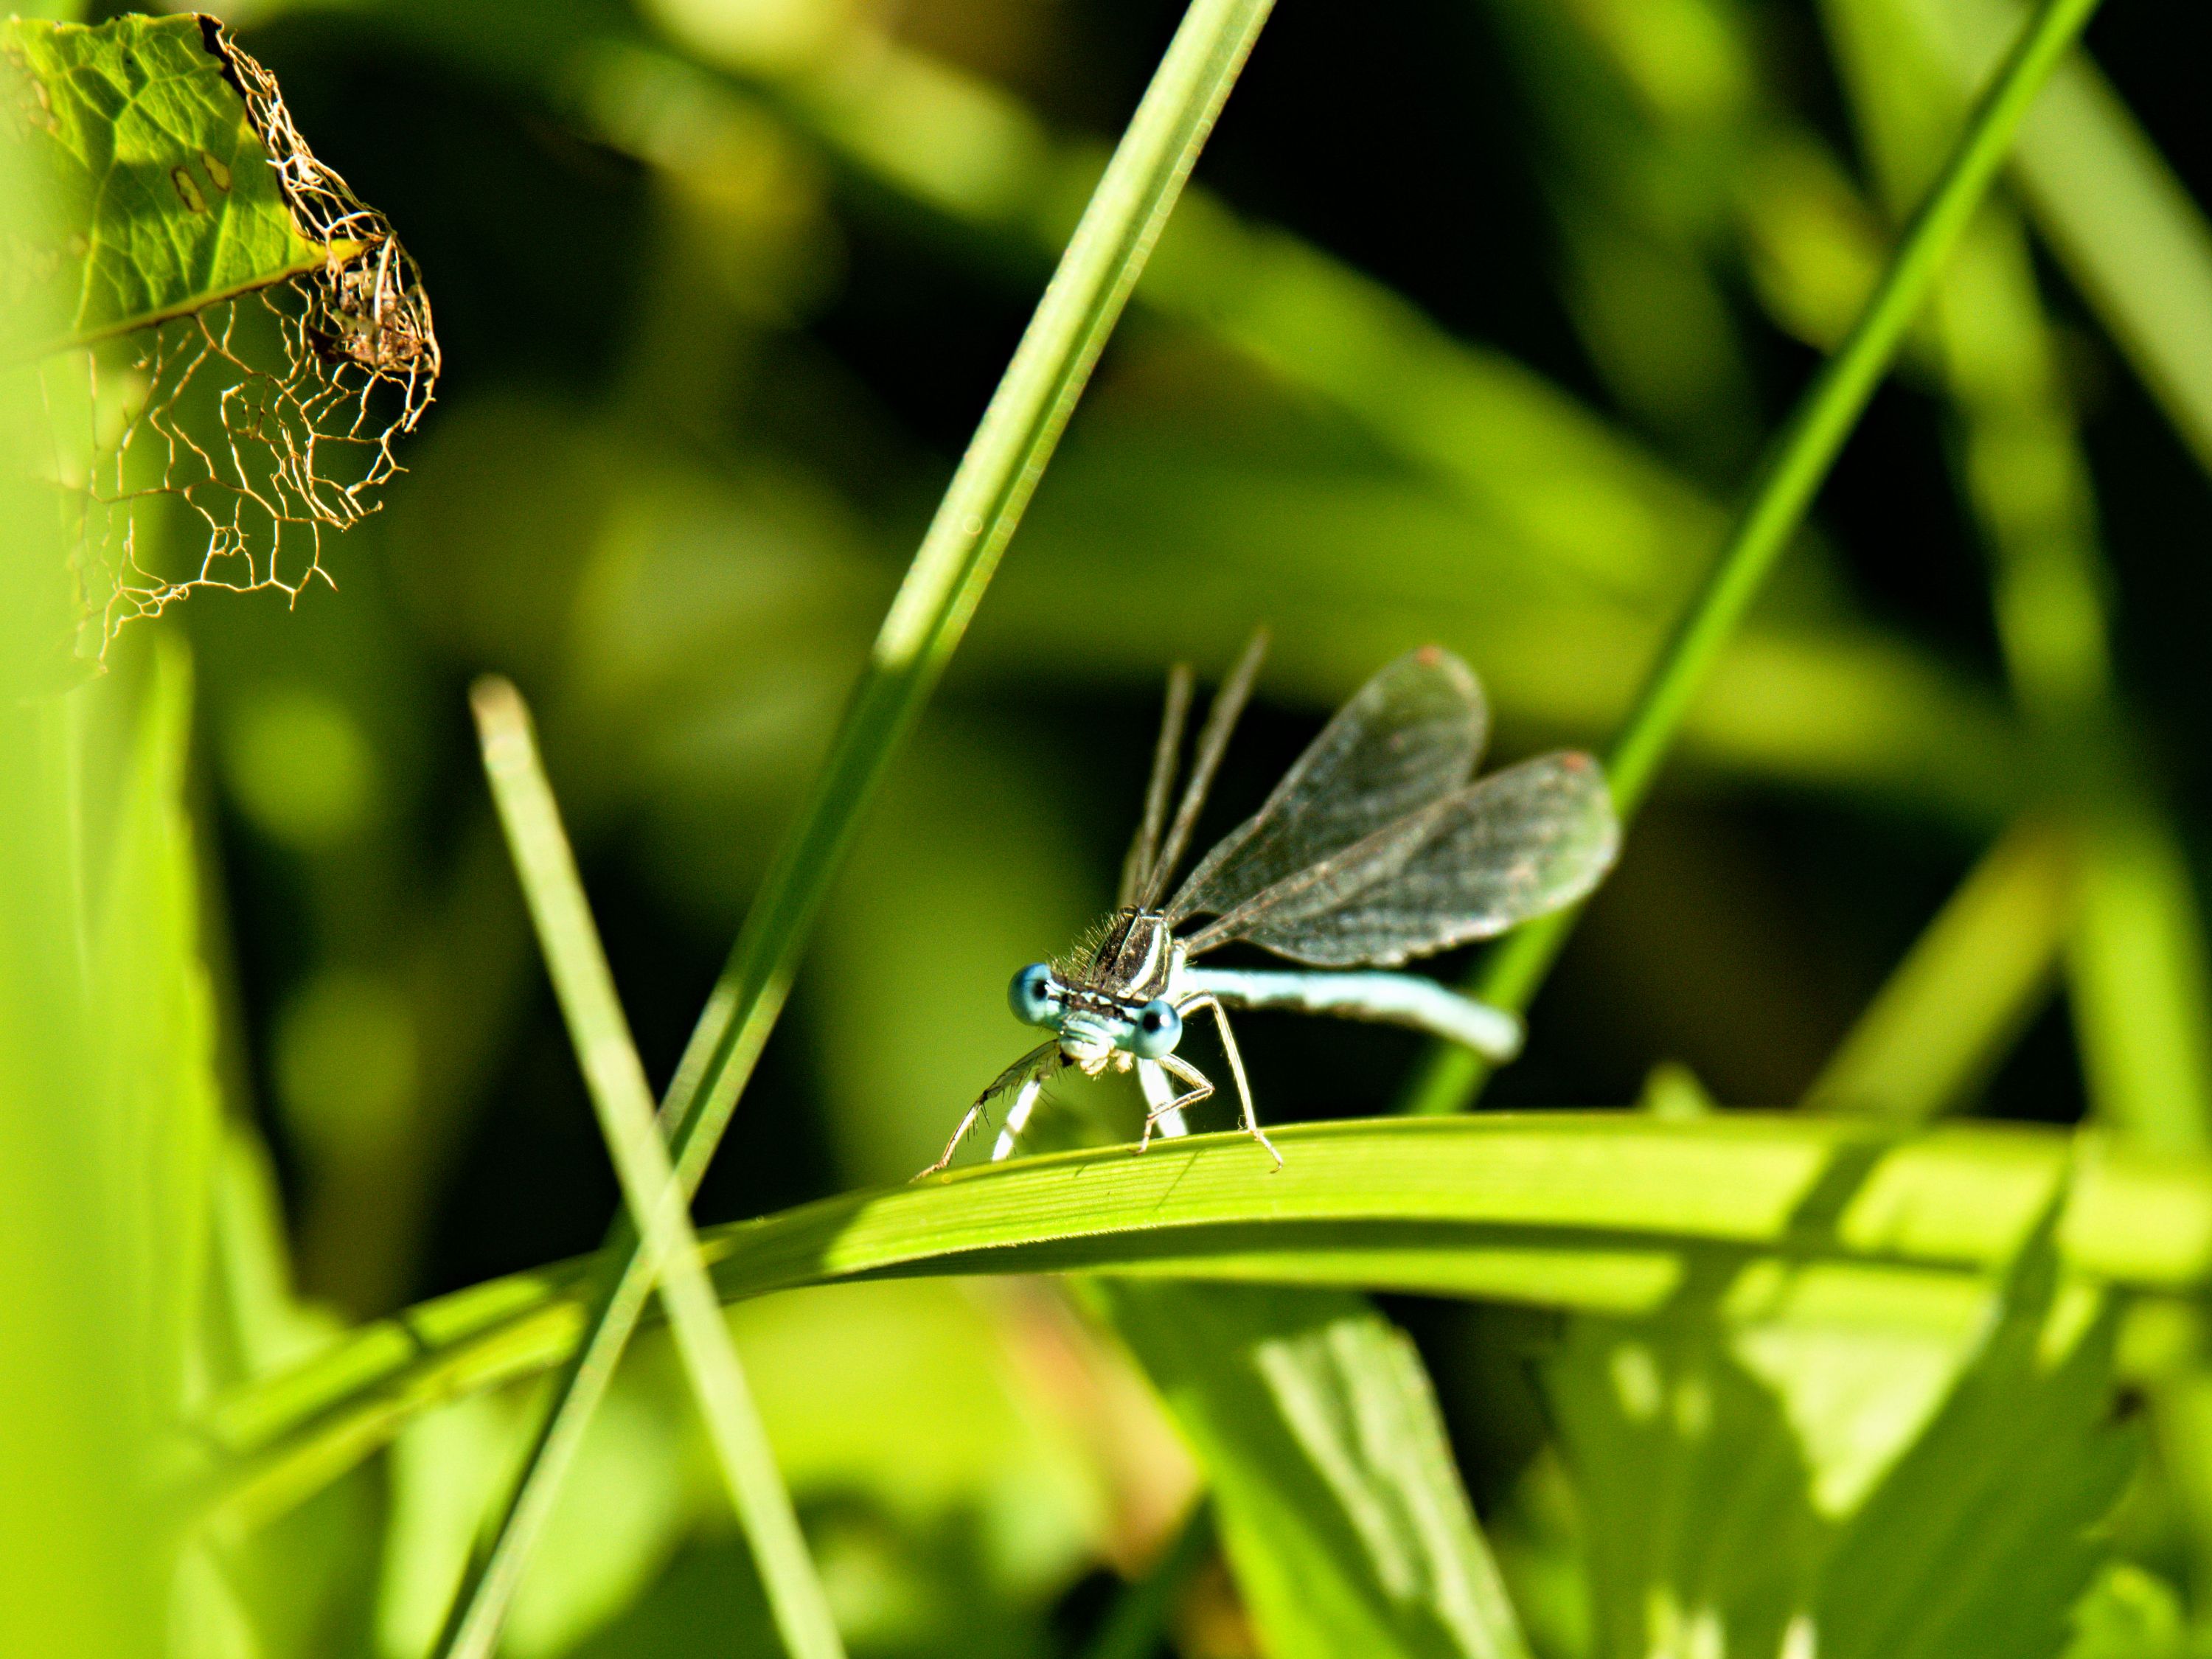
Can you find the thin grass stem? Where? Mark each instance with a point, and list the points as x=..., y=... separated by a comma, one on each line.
x=958, y=555
x=657, y=1203
x=1797, y=463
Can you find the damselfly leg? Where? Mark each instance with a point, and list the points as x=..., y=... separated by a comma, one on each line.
x=1197, y=1087
x=1251, y=1119
x=1161, y=1108
x=1017, y=1117
x=1032, y=1069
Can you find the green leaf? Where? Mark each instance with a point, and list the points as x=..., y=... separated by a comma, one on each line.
x=1592, y=1211
x=1980, y=1539
x=1340, y=1507
x=161, y=196
x=1696, y=1500
x=1924, y=1488
x=151, y=997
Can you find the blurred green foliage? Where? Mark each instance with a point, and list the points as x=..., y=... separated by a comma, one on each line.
x=1469, y=329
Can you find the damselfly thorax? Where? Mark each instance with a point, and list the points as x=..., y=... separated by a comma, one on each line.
x=1108, y=989
x=1377, y=846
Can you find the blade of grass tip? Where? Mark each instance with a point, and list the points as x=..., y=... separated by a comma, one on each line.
x=656, y=1200
x=1134, y=1625
x=1796, y=464
x=958, y=554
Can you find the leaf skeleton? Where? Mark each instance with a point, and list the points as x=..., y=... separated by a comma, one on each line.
x=1376, y=847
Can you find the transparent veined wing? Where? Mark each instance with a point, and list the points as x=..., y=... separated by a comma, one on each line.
x=1521, y=843
x=1410, y=736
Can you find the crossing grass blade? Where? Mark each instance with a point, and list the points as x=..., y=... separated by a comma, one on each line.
x=623, y=1099
x=958, y=554
x=1797, y=463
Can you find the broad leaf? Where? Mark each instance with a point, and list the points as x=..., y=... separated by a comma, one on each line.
x=1980, y=1539
x=1340, y=1509
x=1792, y=1483
x=1695, y=1497
x=162, y=198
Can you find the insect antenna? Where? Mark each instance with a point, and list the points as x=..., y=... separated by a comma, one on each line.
x=1220, y=720
x=1137, y=868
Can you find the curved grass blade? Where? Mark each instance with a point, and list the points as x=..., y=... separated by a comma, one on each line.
x=657, y=1205
x=1796, y=464
x=942, y=587
x=1601, y=1211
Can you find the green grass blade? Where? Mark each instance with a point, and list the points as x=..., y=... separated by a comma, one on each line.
x=1595, y=1212
x=1798, y=462
x=2140, y=984
x=2142, y=992
x=81, y=1570
x=1969, y=984
x=656, y=1200
x=942, y=587
x=2125, y=228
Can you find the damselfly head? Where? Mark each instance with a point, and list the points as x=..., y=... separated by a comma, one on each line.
x=1094, y=1024
x=1092, y=1036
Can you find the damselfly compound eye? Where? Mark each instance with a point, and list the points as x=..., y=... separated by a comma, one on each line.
x=1159, y=1028
x=1031, y=996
